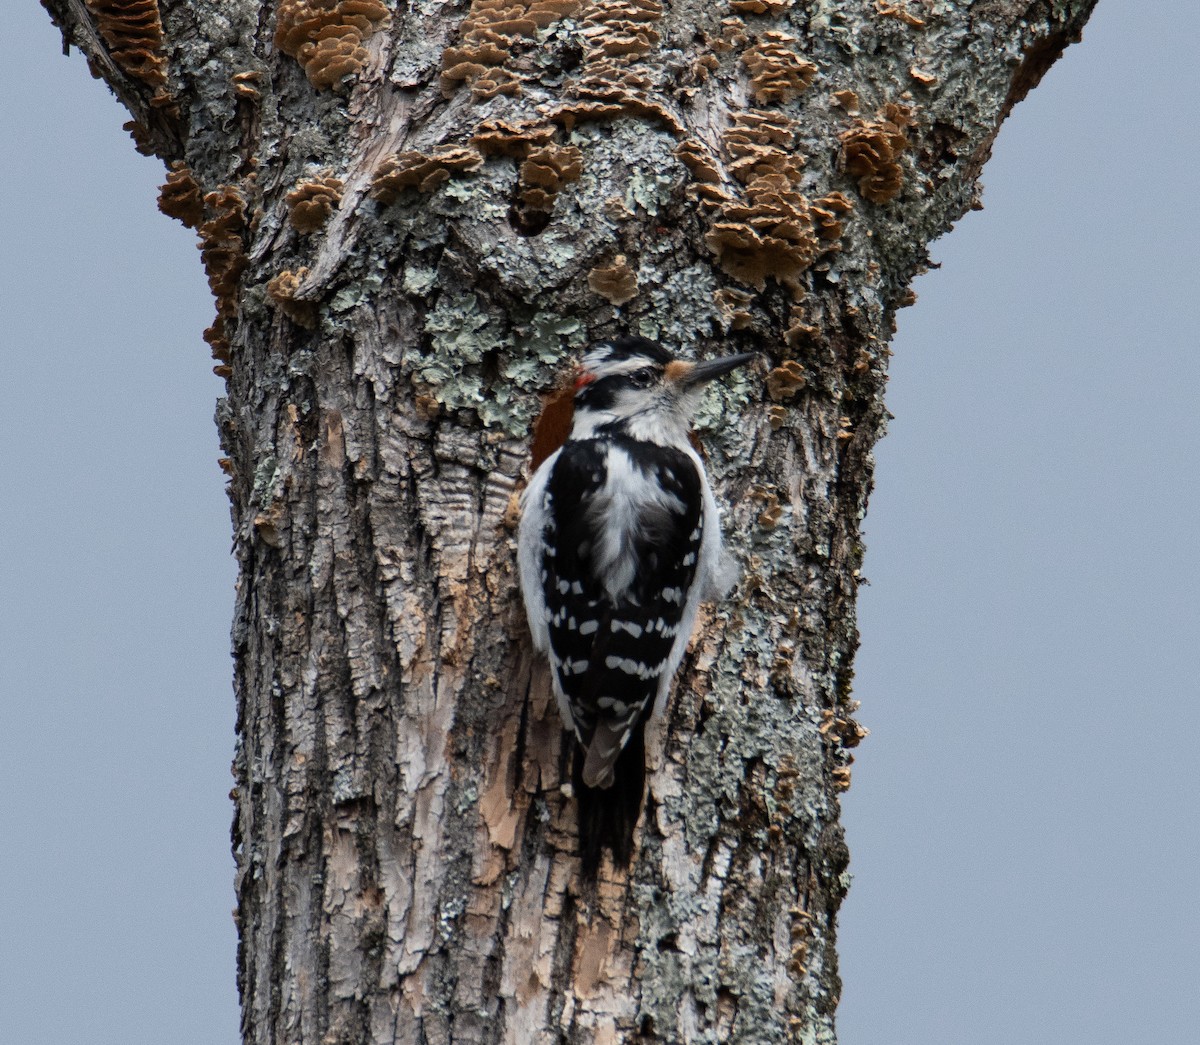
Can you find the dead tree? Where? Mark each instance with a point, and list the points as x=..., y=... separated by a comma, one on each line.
x=411, y=217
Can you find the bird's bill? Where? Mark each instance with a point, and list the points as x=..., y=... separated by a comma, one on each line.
x=689, y=375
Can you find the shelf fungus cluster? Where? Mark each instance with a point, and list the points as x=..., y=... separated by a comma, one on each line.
x=421, y=171
x=326, y=36
x=512, y=138
x=614, y=81
x=770, y=234
x=621, y=28
x=760, y=7
x=616, y=283
x=543, y=173
x=766, y=228
x=487, y=38
x=777, y=73
x=180, y=196
x=283, y=290
x=544, y=169
x=132, y=32
x=871, y=152
x=827, y=214
x=786, y=380
x=223, y=252
x=840, y=730
x=761, y=226
x=311, y=202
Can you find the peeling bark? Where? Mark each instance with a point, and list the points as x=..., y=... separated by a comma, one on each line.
x=410, y=219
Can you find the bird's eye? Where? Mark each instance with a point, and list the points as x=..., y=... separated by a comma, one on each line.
x=642, y=378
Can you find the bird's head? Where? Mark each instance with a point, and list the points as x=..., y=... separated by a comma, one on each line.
x=635, y=386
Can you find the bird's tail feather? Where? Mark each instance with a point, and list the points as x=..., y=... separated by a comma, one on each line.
x=608, y=816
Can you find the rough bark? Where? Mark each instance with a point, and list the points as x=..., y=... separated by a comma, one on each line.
x=397, y=284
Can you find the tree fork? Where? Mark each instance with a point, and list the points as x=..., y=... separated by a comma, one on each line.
x=411, y=219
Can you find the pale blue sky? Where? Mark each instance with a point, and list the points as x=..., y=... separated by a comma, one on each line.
x=1024, y=816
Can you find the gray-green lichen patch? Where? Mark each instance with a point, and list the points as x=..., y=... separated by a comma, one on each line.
x=542, y=339
x=650, y=189
x=360, y=291
x=533, y=264
x=485, y=202
x=419, y=280
x=476, y=362
x=267, y=482
x=680, y=299
x=460, y=335
x=734, y=396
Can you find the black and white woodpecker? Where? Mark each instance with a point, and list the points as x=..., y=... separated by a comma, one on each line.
x=620, y=539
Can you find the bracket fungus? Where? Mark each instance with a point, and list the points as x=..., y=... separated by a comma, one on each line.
x=733, y=35
x=768, y=230
x=778, y=74
x=898, y=11
x=702, y=166
x=222, y=351
x=616, y=282
x=311, y=203
x=614, y=104
x=733, y=308
x=786, y=380
x=842, y=729
x=759, y=143
x=326, y=36
x=488, y=34
x=421, y=171
x=621, y=28
x=760, y=7
x=769, y=517
x=770, y=235
x=223, y=253
x=711, y=197
x=504, y=138
x=614, y=87
x=245, y=84
x=799, y=332
x=283, y=289
x=545, y=171
x=180, y=197
x=760, y=127
x=848, y=100
x=871, y=152
x=826, y=211
x=132, y=32
x=223, y=247
x=616, y=36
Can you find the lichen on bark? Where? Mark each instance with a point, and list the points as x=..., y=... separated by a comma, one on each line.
x=771, y=173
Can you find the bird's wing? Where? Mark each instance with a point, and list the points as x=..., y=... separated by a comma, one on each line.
x=610, y=648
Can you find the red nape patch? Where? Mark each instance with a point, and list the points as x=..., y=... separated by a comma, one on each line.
x=584, y=379
x=553, y=425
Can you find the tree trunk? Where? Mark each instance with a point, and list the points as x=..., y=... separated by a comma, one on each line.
x=411, y=220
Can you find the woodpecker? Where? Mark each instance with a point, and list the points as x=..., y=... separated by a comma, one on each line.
x=619, y=540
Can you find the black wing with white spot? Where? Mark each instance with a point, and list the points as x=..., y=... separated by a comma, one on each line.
x=618, y=565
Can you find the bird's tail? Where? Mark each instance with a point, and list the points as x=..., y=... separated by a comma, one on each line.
x=608, y=816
